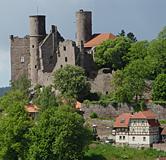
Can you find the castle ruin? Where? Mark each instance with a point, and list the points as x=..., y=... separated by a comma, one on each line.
x=39, y=54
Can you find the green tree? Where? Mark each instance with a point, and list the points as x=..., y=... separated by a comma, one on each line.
x=45, y=99
x=60, y=135
x=10, y=98
x=70, y=80
x=138, y=50
x=21, y=84
x=14, y=131
x=110, y=53
x=130, y=82
x=157, y=56
x=159, y=88
x=130, y=35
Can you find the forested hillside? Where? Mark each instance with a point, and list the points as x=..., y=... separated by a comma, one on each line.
x=3, y=89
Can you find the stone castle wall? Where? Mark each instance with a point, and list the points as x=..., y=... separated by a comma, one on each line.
x=115, y=111
x=20, y=56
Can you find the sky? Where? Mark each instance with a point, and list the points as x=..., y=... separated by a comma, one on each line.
x=144, y=18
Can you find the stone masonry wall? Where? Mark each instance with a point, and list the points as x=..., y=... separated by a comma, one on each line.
x=115, y=111
x=20, y=56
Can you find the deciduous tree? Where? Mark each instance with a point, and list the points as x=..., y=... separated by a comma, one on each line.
x=70, y=80
x=60, y=135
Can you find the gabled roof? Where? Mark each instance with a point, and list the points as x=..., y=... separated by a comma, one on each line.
x=163, y=131
x=98, y=38
x=124, y=116
x=144, y=114
x=31, y=108
x=151, y=118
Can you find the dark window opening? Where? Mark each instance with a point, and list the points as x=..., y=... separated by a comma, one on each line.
x=106, y=92
x=87, y=73
x=59, y=55
x=51, y=59
x=64, y=48
x=33, y=46
x=61, y=66
x=35, y=66
x=65, y=59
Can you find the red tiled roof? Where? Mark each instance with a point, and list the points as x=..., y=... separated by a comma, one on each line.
x=124, y=116
x=153, y=122
x=152, y=119
x=31, y=108
x=144, y=114
x=163, y=131
x=98, y=38
x=162, y=158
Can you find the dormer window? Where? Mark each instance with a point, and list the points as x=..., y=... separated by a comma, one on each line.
x=122, y=120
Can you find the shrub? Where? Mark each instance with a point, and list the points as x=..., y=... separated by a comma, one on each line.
x=86, y=101
x=93, y=115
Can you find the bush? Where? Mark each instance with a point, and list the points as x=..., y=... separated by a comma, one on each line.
x=86, y=101
x=93, y=115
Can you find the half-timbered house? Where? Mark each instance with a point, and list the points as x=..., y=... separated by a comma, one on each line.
x=139, y=129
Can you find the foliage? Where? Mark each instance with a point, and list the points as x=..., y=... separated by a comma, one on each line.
x=138, y=50
x=130, y=35
x=159, y=88
x=130, y=82
x=4, y=89
x=110, y=53
x=14, y=131
x=21, y=84
x=59, y=135
x=162, y=121
x=71, y=81
x=44, y=100
x=11, y=98
x=107, y=152
x=93, y=115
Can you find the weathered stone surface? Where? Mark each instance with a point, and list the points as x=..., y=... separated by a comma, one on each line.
x=115, y=111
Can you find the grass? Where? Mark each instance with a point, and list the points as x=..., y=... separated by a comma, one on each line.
x=162, y=121
x=108, y=152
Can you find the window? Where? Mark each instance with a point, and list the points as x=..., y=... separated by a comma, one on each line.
x=142, y=121
x=143, y=129
x=122, y=120
x=33, y=46
x=65, y=59
x=120, y=137
x=156, y=129
x=35, y=66
x=144, y=138
x=119, y=129
x=22, y=59
x=133, y=129
x=123, y=129
x=133, y=138
x=61, y=66
x=134, y=121
x=59, y=55
x=64, y=48
x=123, y=137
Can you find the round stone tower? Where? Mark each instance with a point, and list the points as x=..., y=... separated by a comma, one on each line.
x=37, y=34
x=83, y=26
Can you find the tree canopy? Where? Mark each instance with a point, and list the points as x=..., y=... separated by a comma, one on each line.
x=14, y=131
x=60, y=134
x=21, y=83
x=110, y=53
x=70, y=80
x=159, y=88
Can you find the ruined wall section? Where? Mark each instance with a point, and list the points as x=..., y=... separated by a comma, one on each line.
x=66, y=54
x=101, y=82
x=20, y=56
